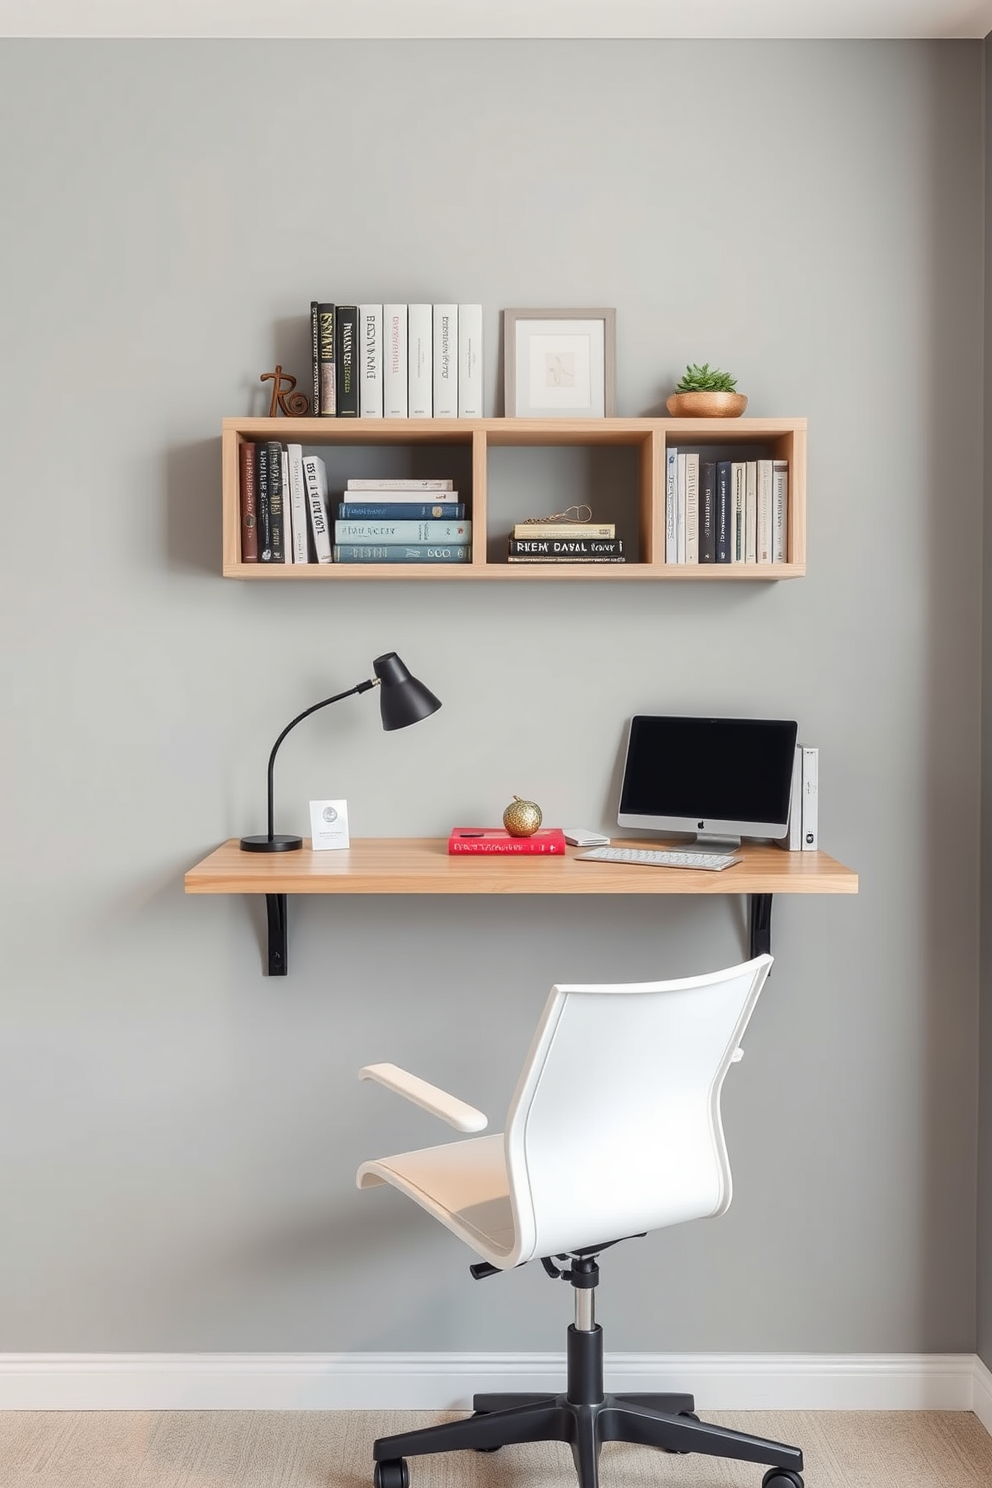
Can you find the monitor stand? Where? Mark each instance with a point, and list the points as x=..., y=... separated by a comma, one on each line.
x=709, y=842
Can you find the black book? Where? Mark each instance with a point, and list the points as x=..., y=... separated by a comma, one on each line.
x=724, y=514
x=707, y=511
x=564, y=547
x=325, y=360
x=277, y=528
x=346, y=359
x=263, y=516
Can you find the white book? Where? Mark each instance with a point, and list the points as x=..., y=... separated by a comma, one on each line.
x=297, y=503
x=691, y=508
x=420, y=360
x=370, y=361
x=287, y=512
x=780, y=511
x=394, y=371
x=793, y=839
x=680, y=508
x=387, y=484
x=811, y=790
x=470, y=361
x=671, y=505
x=315, y=479
x=764, y=511
x=751, y=514
x=738, y=510
x=445, y=361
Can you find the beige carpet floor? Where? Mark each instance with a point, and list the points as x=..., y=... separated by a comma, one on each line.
x=313, y=1449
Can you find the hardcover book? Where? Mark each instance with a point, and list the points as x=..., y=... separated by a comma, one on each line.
x=763, y=504
x=549, y=841
x=671, y=505
x=724, y=513
x=780, y=511
x=346, y=359
x=691, y=508
x=470, y=361
x=420, y=360
x=401, y=553
x=325, y=360
x=287, y=510
x=387, y=484
x=277, y=530
x=247, y=457
x=315, y=358
x=565, y=547
x=402, y=532
x=409, y=511
x=298, y=504
x=574, y=530
x=751, y=517
x=707, y=511
x=394, y=372
x=264, y=516
x=738, y=485
x=370, y=361
x=445, y=361
x=315, y=480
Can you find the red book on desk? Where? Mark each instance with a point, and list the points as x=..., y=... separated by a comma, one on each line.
x=495, y=840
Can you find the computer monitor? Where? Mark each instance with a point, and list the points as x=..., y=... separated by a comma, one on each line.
x=719, y=778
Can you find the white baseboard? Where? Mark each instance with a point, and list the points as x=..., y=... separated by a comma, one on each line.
x=406, y=1381
x=982, y=1402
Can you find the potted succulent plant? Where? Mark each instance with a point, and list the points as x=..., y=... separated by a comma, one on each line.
x=704, y=392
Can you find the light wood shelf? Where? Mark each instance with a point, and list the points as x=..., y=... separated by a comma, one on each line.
x=782, y=439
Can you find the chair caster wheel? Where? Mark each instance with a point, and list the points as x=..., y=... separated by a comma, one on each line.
x=391, y=1474
x=683, y=1416
x=781, y=1477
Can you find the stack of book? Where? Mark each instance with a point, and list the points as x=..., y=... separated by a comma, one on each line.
x=725, y=511
x=548, y=840
x=396, y=361
x=401, y=521
x=565, y=542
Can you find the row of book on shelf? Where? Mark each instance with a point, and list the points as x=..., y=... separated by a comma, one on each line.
x=396, y=361
x=725, y=511
x=288, y=516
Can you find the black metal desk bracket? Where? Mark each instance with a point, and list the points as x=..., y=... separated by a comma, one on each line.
x=275, y=911
x=760, y=929
x=760, y=925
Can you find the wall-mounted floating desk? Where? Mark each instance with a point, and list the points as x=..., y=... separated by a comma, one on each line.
x=422, y=865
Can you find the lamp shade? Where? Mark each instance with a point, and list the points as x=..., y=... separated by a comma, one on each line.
x=402, y=699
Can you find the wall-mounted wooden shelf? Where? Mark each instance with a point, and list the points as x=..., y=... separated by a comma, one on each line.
x=423, y=865
x=470, y=450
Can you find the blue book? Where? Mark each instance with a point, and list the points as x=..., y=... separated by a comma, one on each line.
x=400, y=553
x=392, y=511
x=724, y=514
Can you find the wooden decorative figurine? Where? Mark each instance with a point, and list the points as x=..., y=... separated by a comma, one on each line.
x=294, y=405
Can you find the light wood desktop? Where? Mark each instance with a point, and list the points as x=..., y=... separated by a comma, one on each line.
x=422, y=865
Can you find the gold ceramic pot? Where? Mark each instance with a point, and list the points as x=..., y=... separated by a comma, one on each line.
x=706, y=405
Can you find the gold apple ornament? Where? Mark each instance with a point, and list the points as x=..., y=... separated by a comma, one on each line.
x=522, y=818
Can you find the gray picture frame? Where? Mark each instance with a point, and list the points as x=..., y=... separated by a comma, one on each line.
x=522, y=400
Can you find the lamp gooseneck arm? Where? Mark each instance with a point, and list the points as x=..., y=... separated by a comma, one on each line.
x=361, y=687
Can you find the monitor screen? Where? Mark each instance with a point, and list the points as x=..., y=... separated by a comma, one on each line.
x=718, y=777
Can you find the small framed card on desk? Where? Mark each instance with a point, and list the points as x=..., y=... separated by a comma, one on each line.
x=329, y=824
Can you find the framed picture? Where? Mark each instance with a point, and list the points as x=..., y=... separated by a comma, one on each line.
x=559, y=363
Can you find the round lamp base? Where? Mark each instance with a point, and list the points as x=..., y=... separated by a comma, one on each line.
x=271, y=844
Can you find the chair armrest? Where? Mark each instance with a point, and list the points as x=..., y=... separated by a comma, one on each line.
x=450, y=1109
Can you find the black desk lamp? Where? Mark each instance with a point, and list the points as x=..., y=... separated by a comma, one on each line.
x=402, y=700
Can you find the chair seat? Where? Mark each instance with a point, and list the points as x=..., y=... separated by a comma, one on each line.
x=463, y=1184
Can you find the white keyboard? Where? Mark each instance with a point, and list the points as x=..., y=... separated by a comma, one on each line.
x=659, y=859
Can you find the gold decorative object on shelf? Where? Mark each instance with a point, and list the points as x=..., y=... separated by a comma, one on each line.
x=581, y=513
x=293, y=405
x=706, y=405
x=522, y=818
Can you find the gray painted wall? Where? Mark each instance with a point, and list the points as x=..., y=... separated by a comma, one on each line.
x=984, y=1341
x=179, y=1134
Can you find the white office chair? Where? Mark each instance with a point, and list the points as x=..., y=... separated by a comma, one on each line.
x=614, y=1130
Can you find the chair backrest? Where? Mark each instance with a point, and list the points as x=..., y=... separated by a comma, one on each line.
x=615, y=1125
